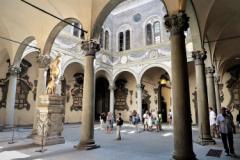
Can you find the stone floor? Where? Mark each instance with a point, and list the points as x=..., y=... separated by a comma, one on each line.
x=133, y=146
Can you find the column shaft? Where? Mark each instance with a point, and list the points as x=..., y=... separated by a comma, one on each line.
x=183, y=147
x=10, y=105
x=218, y=103
x=111, y=99
x=211, y=89
x=139, y=100
x=202, y=101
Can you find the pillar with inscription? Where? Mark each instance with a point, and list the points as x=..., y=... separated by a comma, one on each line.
x=182, y=131
x=11, y=95
x=111, y=88
x=139, y=99
x=216, y=83
x=43, y=64
x=87, y=127
x=204, y=137
x=50, y=109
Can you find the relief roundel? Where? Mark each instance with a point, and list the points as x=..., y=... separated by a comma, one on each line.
x=124, y=59
x=104, y=58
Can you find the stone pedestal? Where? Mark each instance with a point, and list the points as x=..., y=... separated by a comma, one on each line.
x=49, y=120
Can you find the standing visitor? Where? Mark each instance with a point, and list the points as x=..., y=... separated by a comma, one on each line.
x=225, y=124
x=119, y=122
x=109, y=122
x=145, y=121
x=212, y=121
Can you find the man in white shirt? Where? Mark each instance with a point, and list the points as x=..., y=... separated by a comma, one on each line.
x=225, y=125
x=212, y=120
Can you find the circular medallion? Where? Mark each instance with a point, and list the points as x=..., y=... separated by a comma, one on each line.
x=124, y=59
x=137, y=17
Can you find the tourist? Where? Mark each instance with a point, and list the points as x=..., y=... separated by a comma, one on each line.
x=145, y=121
x=170, y=116
x=109, y=122
x=119, y=122
x=150, y=121
x=225, y=124
x=102, y=120
x=136, y=121
x=212, y=121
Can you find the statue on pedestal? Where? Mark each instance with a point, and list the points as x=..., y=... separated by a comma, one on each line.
x=54, y=74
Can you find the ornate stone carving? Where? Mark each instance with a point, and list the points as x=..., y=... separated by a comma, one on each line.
x=90, y=47
x=43, y=60
x=77, y=92
x=54, y=75
x=14, y=70
x=199, y=57
x=210, y=71
x=176, y=24
x=121, y=95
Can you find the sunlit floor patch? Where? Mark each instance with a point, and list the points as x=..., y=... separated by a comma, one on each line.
x=167, y=134
x=1, y=147
x=97, y=128
x=123, y=131
x=9, y=155
x=131, y=132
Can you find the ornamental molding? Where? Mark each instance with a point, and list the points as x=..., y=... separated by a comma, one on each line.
x=199, y=57
x=43, y=60
x=90, y=47
x=14, y=70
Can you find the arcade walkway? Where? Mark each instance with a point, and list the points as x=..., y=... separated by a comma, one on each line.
x=133, y=146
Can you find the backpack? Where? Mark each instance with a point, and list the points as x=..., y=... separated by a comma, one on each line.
x=120, y=122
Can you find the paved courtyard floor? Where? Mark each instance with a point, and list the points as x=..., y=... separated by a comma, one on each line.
x=133, y=146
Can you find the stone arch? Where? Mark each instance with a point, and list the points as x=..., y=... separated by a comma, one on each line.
x=102, y=72
x=162, y=66
x=115, y=76
x=55, y=31
x=103, y=15
x=69, y=62
x=21, y=49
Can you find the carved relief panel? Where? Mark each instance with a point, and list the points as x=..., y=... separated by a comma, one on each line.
x=121, y=95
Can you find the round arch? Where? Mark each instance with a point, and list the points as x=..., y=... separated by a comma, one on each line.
x=55, y=31
x=19, y=54
x=162, y=66
x=69, y=62
x=102, y=72
x=116, y=75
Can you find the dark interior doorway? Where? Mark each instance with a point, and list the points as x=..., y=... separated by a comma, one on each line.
x=102, y=97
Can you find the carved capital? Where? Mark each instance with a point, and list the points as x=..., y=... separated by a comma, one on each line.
x=43, y=60
x=90, y=47
x=176, y=24
x=199, y=57
x=14, y=70
x=210, y=71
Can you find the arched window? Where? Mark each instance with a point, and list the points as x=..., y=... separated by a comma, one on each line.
x=157, y=32
x=149, y=34
x=106, y=40
x=101, y=38
x=127, y=40
x=120, y=41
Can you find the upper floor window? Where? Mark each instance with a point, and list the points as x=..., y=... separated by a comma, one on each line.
x=127, y=40
x=101, y=38
x=106, y=40
x=153, y=33
x=76, y=31
x=149, y=34
x=120, y=41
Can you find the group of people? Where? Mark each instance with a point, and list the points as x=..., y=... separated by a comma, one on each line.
x=151, y=119
x=222, y=126
x=107, y=121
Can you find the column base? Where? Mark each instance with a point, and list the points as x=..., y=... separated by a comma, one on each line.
x=184, y=157
x=48, y=140
x=205, y=141
x=87, y=145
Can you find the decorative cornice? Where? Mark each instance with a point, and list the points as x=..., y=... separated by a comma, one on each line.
x=14, y=70
x=43, y=60
x=90, y=47
x=199, y=57
x=176, y=24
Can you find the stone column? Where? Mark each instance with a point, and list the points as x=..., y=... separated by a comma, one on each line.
x=11, y=95
x=139, y=100
x=216, y=83
x=210, y=88
x=87, y=127
x=43, y=62
x=111, y=88
x=202, y=101
x=182, y=131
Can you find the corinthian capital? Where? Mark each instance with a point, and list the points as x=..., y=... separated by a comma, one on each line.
x=90, y=47
x=199, y=57
x=176, y=24
x=43, y=60
x=14, y=70
x=210, y=70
